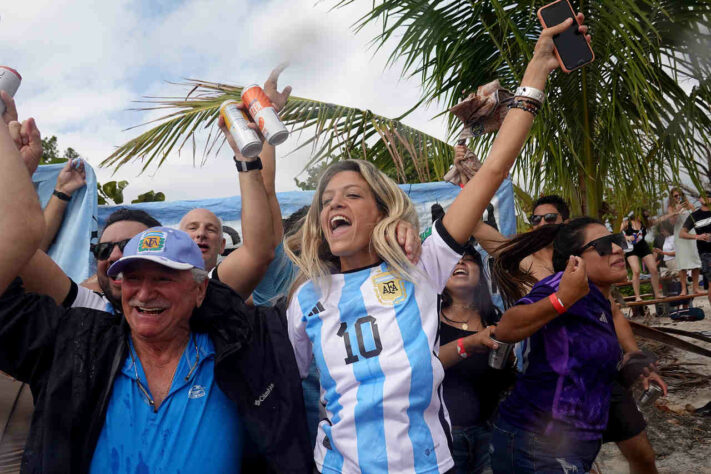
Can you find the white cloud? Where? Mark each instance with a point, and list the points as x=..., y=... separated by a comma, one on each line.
x=83, y=62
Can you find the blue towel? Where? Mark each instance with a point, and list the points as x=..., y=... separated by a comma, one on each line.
x=70, y=249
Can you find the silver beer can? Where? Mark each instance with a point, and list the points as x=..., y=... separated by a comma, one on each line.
x=650, y=395
x=237, y=123
x=499, y=357
x=263, y=113
x=9, y=82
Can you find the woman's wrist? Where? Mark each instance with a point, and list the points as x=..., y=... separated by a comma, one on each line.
x=536, y=74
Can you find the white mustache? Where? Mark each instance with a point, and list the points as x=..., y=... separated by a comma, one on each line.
x=153, y=304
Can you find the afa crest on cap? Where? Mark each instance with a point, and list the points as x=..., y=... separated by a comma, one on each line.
x=152, y=241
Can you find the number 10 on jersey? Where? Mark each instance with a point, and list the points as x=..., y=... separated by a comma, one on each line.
x=366, y=323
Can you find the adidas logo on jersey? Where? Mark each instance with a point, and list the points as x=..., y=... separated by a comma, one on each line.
x=315, y=310
x=603, y=318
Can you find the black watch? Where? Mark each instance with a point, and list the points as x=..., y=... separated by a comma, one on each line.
x=243, y=166
x=66, y=197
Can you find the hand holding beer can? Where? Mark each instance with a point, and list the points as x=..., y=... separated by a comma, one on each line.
x=237, y=123
x=263, y=113
x=499, y=357
x=9, y=82
x=650, y=395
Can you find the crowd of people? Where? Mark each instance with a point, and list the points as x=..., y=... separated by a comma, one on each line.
x=336, y=340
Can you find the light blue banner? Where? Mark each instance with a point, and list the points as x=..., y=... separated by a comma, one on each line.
x=500, y=213
x=71, y=245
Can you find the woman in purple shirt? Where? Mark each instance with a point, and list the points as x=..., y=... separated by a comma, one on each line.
x=554, y=418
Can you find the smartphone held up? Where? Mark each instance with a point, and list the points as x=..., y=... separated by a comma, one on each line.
x=571, y=47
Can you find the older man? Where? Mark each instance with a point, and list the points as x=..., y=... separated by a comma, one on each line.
x=168, y=386
x=77, y=360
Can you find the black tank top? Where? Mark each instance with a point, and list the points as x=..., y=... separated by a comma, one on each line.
x=471, y=388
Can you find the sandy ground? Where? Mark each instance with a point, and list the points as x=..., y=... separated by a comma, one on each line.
x=681, y=440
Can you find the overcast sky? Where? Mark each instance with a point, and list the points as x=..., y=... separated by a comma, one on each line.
x=83, y=62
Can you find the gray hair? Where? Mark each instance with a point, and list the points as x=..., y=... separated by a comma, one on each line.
x=199, y=275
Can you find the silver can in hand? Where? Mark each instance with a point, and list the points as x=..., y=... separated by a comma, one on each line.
x=237, y=123
x=264, y=115
x=650, y=395
x=500, y=356
x=9, y=82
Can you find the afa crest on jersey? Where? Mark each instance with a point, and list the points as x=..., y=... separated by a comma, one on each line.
x=153, y=241
x=389, y=289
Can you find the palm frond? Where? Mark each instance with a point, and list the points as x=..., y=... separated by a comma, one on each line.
x=333, y=131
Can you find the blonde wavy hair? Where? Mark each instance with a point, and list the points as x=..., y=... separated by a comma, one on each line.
x=308, y=248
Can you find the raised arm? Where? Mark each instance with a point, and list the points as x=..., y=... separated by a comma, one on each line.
x=21, y=221
x=521, y=321
x=469, y=206
x=70, y=178
x=278, y=100
x=243, y=268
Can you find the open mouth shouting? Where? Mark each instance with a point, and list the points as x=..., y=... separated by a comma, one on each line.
x=460, y=271
x=339, y=225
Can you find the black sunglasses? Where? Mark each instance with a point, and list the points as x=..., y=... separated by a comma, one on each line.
x=103, y=250
x=603, y=245
x=550, y=218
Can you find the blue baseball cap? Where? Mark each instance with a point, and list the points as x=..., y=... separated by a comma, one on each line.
x=171, y=248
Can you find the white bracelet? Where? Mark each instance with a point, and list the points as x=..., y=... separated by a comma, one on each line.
x=531, y=93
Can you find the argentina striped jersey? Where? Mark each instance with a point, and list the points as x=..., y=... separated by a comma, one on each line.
x=374, y=339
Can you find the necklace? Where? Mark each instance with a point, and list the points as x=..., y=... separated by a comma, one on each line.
x=465, y=324
x=145, y=391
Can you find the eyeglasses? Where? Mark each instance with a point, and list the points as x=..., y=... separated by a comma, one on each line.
x=103, y=250
x=550, y=218
x=603, y=245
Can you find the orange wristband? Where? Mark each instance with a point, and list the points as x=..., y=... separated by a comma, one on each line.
x=557, y=303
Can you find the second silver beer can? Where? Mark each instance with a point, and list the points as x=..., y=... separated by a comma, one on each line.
x=237, y=123
x=264, y=115
x=9, y=82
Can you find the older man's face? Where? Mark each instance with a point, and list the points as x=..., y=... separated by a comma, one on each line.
x=206, y=231
x=158, y=301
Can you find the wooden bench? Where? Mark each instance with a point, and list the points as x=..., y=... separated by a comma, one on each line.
x=662, y=304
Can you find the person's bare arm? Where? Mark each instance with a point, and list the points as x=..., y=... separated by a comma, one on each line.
x=480, y=341
x=278, y=100
x=469, y=206
x=684, y=234
x=69, y=180
x=625, y=336
x=489, y=238
x=242, y=269
x=42, y=275
x=521, y=321
x=628, y=343
x=21, y=221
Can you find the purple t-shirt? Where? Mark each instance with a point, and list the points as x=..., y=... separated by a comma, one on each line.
x=568, y=367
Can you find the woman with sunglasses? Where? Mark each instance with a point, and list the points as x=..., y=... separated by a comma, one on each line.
x=687, y=255
x=554, y=418
x=635, y=230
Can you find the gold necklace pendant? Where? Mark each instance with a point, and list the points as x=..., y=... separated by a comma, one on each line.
x=465, y=326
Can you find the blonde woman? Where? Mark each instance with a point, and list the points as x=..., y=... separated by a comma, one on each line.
x=369, y=317
x=687, y=256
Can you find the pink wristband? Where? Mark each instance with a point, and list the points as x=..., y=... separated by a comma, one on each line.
x=557, y=303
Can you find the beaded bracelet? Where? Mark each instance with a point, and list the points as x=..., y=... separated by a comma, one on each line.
x=525, y=105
